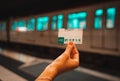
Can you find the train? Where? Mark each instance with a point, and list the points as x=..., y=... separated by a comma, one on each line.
x=100, y=23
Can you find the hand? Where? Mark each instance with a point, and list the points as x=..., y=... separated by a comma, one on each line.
x=68, y=60
x=65, y=62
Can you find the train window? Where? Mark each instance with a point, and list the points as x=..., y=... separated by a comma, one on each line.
x=42, y=23
x=77, y=20
x=31, y=24
x=21, y=26
x=2, y=26
x=14, y=25
x=57, y=22
x=98, y=19
x=21, y=23
x=110, y=18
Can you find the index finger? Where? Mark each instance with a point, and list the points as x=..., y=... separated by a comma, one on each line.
x=75, y=53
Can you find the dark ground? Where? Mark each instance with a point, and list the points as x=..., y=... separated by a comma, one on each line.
x=103, y=63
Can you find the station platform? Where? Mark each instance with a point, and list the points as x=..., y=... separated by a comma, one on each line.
x=23, y=67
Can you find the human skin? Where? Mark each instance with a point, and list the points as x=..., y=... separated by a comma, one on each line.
x=67, y=61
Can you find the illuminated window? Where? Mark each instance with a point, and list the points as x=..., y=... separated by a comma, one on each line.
x=31, y=24
x=98, y=19
x=2, y=26
x=77, y=20
x=14, y=25
x=21, y=23
x=42, y=23
x=57, y=22
x=111, y=12
x=19, y=26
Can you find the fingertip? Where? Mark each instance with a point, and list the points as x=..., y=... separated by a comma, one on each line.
x=69, y=47
x=70, y=43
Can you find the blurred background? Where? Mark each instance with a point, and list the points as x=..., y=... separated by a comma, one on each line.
x=29, y=32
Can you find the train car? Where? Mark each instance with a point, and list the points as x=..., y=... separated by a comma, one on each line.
x=100, y=23
x=3, y=31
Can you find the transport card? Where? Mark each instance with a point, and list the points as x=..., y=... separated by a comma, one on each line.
x=67, y=35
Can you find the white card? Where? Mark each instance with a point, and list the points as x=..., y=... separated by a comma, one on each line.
x=73, y=35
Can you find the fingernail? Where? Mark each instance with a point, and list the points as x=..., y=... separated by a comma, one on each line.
x=70, y=43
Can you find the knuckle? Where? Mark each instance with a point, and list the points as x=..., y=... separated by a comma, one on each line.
x=76, y=63
x=69, y=47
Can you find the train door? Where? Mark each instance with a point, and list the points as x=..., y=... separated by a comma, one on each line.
x=78, y=19
x=30, y=34
x=42, y=32
x=56, y=24
x=21, y=31
x=110, y=30
x=97, y=30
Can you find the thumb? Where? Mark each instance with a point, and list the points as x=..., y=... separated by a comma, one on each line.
x=69, y=48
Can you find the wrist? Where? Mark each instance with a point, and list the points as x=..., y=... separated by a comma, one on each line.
x=49, y=72
x=52, y=71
